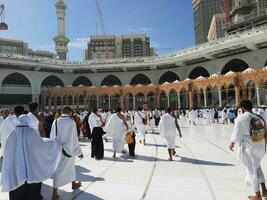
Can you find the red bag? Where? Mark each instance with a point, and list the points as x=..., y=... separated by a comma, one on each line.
x=144, y=121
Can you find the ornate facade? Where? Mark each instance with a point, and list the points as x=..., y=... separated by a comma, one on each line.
x=213, y=91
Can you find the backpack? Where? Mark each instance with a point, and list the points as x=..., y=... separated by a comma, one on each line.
x=257, y=128
x=128, y=138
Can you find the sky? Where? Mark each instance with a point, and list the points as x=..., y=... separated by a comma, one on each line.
x=168, y=23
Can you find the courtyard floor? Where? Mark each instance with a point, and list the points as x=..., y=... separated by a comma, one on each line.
x=204, y=169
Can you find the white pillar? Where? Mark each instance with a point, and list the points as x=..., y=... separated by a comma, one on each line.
x=134, y=106
x=205, y=99
x=109, y=103
x=97, y=102
x=179, y=100
x=168, y=98
x=258, y=96
x=220, y=98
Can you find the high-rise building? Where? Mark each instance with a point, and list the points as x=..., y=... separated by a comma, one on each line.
x=111, y=46
x=203, y=11
x=247, y=14
x=217, y=27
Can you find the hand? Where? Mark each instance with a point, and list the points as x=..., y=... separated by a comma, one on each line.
x=80, y=156
x=180, y=135
x=231, y=146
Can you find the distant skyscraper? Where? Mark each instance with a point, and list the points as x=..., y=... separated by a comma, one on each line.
x=203, y=11
x=217, y=27
x=111, y=46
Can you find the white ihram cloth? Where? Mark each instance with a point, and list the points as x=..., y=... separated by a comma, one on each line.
x=6, y=129
x=138, y=121
x=34, y=122
x=167, y=129
x=66, y=135
x=28, y=157
x=116, y=129
x=249, y=153
x=105, y=117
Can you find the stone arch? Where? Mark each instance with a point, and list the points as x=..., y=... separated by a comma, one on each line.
x=198, y=71
x=111, y=80
x=16, y=79
x=82, y=80
x=11, y=84
x=235, y=65
x=168, y=76
x=140, y=79
x=52, y=81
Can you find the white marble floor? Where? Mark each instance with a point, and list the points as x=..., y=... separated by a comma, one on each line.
x=204, y=169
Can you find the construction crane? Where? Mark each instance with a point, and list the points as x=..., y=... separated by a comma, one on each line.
x=100, y=17
x=3, y=25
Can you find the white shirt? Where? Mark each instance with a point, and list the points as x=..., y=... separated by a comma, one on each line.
x=94, y=121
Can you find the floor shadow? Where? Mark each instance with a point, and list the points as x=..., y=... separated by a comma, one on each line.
x=121, y=158
x=77, y=194
x=82, y=175
x=159, y=145
x=203, y=162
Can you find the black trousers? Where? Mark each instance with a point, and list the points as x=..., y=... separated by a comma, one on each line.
x=27, y=192
x=97, y=146
x=132, y=146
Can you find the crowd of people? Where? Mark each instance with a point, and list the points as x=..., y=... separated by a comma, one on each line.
x=23, y=134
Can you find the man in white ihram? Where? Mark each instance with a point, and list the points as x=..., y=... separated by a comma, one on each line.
x=28, y=160
x=139, y=119
x=251, y=138
x=65, y=132
x=167, y=127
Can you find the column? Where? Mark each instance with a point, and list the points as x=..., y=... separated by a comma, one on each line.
x=61, y=100
x=205, y=99
x=145, y=98
x=134, y=103
x=122, y=103
x=49, y=104
x=179, y=100
x=250, y=94
x=237, y=96
x=220, y=98
x=109, y=103
x=97, y=102
x=244, y=93
x=158, y=101
x=258, y=96
x=191, y=104
x=198, y=99
x=168, y=101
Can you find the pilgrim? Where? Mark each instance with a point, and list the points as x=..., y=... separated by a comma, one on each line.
x=117, y=127
x=140, y=121
x=250, y=135
x=65, y=132
x=167, y=128
x=28, y=161
x=96, y=124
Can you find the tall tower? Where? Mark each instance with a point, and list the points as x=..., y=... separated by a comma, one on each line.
x=61, y=41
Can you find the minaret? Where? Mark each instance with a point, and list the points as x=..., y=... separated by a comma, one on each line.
x=61, y=41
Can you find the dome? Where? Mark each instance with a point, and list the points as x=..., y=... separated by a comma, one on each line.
x=81, y=85
x=248, y=70
x=229, y=73
x=166, y=83
x=139, y=85
x=200, y=78
x=127, y=85
x=176, y=81
x=214, y=76
x=104, y=86
x=188, y=79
